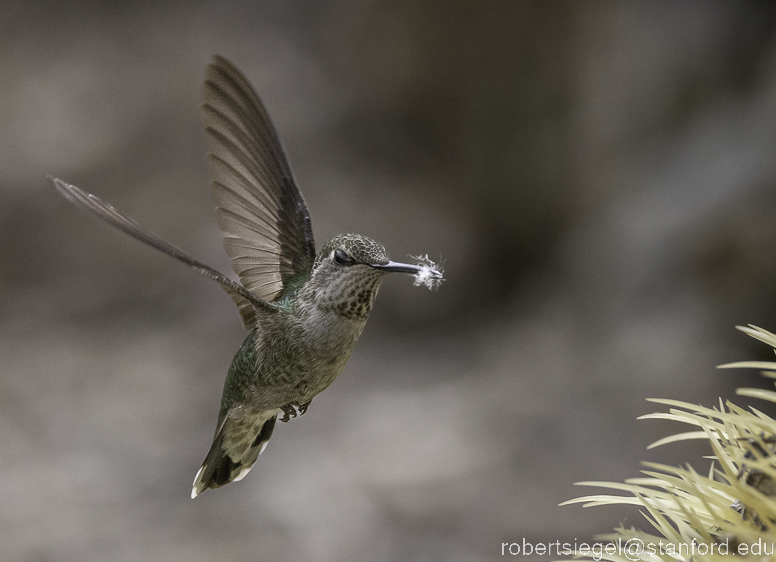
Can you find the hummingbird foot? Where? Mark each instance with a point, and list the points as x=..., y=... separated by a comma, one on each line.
x=290, y=411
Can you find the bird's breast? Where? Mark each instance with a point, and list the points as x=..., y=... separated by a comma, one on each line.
x=301, y=355
x=329, y=335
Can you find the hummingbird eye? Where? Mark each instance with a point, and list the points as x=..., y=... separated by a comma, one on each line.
x=342, y=258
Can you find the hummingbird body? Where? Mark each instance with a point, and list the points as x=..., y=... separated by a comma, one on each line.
x=303, y=311
x=295, y=353
x=291, y=356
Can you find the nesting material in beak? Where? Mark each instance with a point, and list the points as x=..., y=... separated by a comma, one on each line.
x=429, y=274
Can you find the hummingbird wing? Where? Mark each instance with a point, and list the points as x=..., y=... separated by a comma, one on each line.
x=267, y=227
x=245, y=301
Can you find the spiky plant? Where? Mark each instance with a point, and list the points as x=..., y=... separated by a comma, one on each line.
x=731, y=510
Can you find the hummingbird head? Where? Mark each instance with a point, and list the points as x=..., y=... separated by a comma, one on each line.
x=347, y=273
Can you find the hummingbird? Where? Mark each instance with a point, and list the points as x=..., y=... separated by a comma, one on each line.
x=303, y=310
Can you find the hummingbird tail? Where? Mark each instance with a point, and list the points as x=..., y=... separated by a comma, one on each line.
x=237, y=444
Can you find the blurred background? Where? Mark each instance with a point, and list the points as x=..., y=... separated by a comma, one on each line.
x=598, y=178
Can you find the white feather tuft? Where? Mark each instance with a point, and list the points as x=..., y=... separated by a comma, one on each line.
x=430, y=274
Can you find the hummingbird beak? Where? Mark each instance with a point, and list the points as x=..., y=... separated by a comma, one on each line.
x=397, y=267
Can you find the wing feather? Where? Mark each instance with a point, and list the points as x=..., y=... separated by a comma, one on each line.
x=246, y=301
x=268, y=234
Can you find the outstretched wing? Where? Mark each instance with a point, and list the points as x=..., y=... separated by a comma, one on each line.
x=245, y=301
x=261, y=211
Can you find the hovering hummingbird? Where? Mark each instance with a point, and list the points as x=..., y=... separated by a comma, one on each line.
x=303, y=311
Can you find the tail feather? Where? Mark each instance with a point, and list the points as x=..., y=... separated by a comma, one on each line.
x=236, y=446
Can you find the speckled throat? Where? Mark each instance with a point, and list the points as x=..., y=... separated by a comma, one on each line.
x=353, y=297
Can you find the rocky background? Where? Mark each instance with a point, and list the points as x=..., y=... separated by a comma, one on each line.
x=599, y=179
